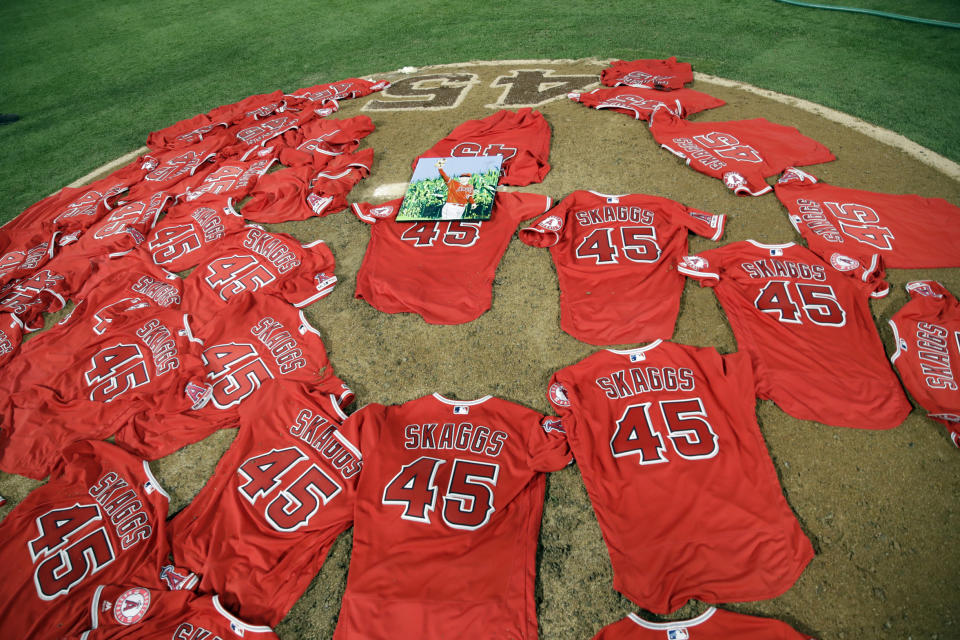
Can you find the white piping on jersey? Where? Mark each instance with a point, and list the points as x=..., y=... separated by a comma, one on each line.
x=742, y=189
x=312, y=244
x=692, y=622
x=627, y=352
x=94, y=610
x=306, y=326
x=609, y=195
x=319, y=294
x=359, y=214
x=720, y=227
x=760, y=245
x=459, y=402
x=156, y=485
x=186, y=327
x=349, y=445
x=896, y=341
x=697, y=274
x=17, y=321
x=229, y=210
x=335, y=403
x=236, y=621
x=873, y=266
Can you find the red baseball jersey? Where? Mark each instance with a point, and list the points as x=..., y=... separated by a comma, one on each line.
x=328, y=95
x=712, y=624
x=640, y=102
x=164, y=170
x=141, y=613
x=320, y=140
x=302, y=192
x=661, y=74
x=29, y=297
x=908, y=231
x=188, y=230
x=185, y=132
x=447, y=519
x=253, y=339
x=522, y=137
x=255, y=260
x=927, y=335
x=676, y=468
x=448, y=266
x=252, y=134
x=260, y=529
x=808, y=329
x=23, y=255
x=228, y=181
x=615, y=258
x=742, y=153
x=101, y=517
x=63, y=391
x=11, y=334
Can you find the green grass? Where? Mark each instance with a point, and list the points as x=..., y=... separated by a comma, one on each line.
x=90, y=80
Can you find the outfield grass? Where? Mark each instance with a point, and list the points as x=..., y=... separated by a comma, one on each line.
x=90, y=80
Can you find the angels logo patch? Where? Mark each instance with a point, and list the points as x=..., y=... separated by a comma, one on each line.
x=558, y=395
x=551, y=223
x=696, y=263
x=381, y=212
x=923, y=288
x=553, y=424
x=841, y=262
x=734, y=180
x=132, y=605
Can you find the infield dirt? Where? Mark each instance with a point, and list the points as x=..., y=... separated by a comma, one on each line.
x=879, y=506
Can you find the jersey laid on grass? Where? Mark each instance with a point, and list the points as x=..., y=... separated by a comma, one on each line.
x=300, y=192
x=522, y=137
x=116, y=234
x=253, y=134
x=808, y=329
x=11, y=334
x=327, y=96
x=742, y=153
x=260, y=529
x=323, y=139
x=615, y=259
x=23, y=255
x=927, y=335
x=447, y=519
x=230, y=181
x=253, y=339
x=713, y=624
x=640, y=102
x=673, y=460
x=441, y=270
x=253, y=260
x=100, y=518
x=133, y=612
x=188, y=230
x=88, y=386
x=908, y=231
x=165, y=170
x=660, y=74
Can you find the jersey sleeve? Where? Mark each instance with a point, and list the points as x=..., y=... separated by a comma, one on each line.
x=521, y=206
x=703, y=267
x=868, y=272
x=707, y=225
x=316, y=278
x=548, y=228
x=547, y=445
x=371, y=213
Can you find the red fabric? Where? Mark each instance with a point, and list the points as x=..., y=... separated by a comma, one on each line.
x=252, y=339
x=640, y=102
x=808, y=329
x=320, y=140
x=112, y=516
x=183, y=133
x=615, y=258
x=164, y=170
x=713, y=624
x=139, y=613
x=251, y=546
x=88, y=386
x=441, y=270
x=927, y=335
x=676, y=468
x=742, y=153
x=328, y=95
x=667, y=73
x=11, y=334
x=908, y=231
x=230, y=180
x=255, y=260
x=189, y=230
x=447, y=519
x=522, y=137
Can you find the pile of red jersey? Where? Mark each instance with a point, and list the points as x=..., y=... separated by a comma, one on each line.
x=445, y=495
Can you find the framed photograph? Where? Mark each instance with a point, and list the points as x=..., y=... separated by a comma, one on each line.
x=451, y=189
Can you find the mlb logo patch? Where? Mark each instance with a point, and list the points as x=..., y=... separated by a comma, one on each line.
x=612, y=199
x=678, y=634
x=236, y=629
x=461, y=409
x=776, y=252
x=638, y=357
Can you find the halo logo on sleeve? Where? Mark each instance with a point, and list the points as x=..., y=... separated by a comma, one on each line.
x=558, y=395
x=132, y=605
x=384, y=211
x=841, y=262
x=551, y=223
x=696, y=263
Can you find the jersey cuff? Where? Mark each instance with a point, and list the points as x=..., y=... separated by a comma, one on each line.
x=896, y=341
x=698, y=275
x=332, y=282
